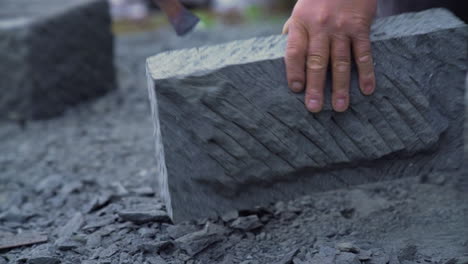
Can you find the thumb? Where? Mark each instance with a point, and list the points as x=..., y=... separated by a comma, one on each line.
x=286, y=27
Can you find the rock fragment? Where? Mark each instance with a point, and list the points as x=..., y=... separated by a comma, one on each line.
x=109, y=251
x=22, y=239
x=347, y=247
x=71, y=187
x=364, y=255
x=347, y=258
x=154, y=260
x=230, y=216
x=143, y=191
x=247, y=223
x=68, y=244
x=155, y=247
x=93, y=240
x=49, y=184
x=196, y=242
x=44, y=260
x=72, y=226
x=288, y=258
x=99, y=202
x=13, y=214
x=176, y=231
x=379, y=256
x=41, y=254
x=141, y=216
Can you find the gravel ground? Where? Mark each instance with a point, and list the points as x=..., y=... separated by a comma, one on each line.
x=81, y=185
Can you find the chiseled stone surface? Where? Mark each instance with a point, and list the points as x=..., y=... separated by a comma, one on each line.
x=53, y=54
x=230, y=135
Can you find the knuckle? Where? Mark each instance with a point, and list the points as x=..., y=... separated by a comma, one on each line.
x=316, y=62
x=322, y=18
x=293, y=51
x=342, y=64
x=340, y=22
x=364, y=58
x=360, y=24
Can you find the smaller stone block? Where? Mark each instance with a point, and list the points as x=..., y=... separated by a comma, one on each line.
x=53, y=54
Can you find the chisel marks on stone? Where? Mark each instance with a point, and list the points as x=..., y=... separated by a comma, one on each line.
x=232, y=129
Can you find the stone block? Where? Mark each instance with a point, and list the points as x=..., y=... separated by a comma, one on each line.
x=53, y=54
x=231, y=135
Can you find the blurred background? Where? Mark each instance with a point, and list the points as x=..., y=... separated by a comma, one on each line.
x=140, y=15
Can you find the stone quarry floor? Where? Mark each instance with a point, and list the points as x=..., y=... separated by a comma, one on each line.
x=83, y=181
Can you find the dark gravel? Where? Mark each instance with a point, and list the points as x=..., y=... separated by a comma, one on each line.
x=84, y=179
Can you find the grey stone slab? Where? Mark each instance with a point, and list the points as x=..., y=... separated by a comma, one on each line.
x=53, y=54
x=230, y=134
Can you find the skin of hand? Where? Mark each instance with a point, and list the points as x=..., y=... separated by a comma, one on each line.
x=329, y=31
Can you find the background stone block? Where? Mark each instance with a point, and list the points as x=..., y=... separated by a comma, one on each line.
x=53, y=54
x=230, y=135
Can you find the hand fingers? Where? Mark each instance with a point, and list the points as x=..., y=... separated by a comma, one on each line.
x=317, y=63
x=295, y=56
x=363, y=57
x=341, y=70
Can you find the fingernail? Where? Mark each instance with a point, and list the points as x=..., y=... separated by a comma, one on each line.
x=368, y=89
x=296, y=86
x=340, y=104
x=314, y=105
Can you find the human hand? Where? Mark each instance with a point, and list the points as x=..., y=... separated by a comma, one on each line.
x=323, y=31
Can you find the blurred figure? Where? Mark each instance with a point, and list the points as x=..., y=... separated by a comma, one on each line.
x=136, y=10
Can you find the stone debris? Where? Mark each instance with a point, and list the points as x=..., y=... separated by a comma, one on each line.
x=22, y=239
x=176, y=231
x=364, y=255
x=49, y=184
x=13, y=214
x=196, y=242
x=347, y=247
x=72, y=226
x=94, y=240
x=141, y=216
x=71, y=187
x=44, y=260
x=379, y=257
x=120, y=190
x=155, y=247
x=42, y=254
x=230, y=216
x=347, y=258
x=227, y=130
x=99, y=202
x=68, y=244
x=288, y=258
x=155, y=260
x=109, y=251
x=247, y=223
x=143, y=191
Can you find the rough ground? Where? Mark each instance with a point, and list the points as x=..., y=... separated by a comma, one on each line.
x=84, y=180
